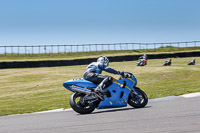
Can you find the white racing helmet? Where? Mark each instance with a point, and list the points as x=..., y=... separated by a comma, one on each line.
x=104, y=60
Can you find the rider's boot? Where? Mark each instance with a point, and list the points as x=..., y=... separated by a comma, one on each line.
x=101, y=89
x=103, y=85
x=99, y=92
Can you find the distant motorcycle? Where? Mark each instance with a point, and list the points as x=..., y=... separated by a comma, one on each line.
x=167, y=63
x=142, y=61
x=122, y=92
x=192, y=62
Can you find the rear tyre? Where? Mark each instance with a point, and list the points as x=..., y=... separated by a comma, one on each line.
x=138, y=101
x=78, y=105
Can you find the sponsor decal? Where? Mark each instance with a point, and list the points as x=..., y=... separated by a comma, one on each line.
x=114, y=102
x=124, y=101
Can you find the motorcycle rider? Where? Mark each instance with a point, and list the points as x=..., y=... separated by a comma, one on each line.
x=143, y=57
x=142, y=60
x=192, y=62
x=93, y=74
x=168, y=62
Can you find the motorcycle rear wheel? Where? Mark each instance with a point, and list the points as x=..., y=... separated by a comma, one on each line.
x=138, y=101
x=78, y=105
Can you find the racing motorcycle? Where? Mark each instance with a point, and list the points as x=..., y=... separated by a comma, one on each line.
x=167, y=63
x=142, y=61
x=192, y=62
x=122, y=92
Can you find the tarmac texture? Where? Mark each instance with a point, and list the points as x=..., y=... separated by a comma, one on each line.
x=171, y=115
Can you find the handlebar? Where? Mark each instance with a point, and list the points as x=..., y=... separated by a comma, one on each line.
x=127, y=75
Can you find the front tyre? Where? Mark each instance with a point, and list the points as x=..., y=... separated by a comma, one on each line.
x=80, y=106
x=138, y=101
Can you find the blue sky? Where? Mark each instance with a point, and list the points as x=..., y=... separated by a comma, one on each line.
x=34, y=22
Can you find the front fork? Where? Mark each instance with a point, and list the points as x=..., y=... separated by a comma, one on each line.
x=134, y=94
x=133, y=90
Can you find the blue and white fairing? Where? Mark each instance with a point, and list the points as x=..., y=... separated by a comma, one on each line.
x=118, y=94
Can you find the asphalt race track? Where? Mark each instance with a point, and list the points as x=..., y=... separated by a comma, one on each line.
x=168, y=115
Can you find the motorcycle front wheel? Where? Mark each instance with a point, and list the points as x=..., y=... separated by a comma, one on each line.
x=79, y=105
x=138, y=101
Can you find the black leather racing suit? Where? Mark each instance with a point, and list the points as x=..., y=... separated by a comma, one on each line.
x=93, y=74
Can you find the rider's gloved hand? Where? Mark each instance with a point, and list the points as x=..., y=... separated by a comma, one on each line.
x=121, y=73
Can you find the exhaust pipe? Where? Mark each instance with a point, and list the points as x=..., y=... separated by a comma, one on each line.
x=86, y=91
x=81, y=90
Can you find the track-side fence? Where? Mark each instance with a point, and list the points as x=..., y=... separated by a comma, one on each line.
x=47, y=49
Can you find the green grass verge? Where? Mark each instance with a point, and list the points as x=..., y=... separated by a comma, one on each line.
x=75, y=55
x=38, y=89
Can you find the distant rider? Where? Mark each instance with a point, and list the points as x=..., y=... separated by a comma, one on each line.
x=192, y=62
x=93, y=74
x=143, y=57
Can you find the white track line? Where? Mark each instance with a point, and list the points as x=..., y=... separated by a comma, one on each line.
x=197, y=94
x=55, y=110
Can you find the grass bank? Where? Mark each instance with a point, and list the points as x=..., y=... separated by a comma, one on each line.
x=78, y=55
x=38, y=89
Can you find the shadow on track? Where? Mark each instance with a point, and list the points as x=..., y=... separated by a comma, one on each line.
x=115, y=110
